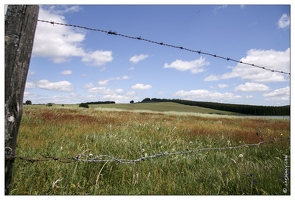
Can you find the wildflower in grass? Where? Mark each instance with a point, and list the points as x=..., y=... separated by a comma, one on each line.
x=251, y=175
x=241, y=155
x=254, y=181
x=190, y=142
x=73, y=186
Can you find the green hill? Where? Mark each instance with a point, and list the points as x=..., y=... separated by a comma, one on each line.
x=237, y=108
x=164, y=107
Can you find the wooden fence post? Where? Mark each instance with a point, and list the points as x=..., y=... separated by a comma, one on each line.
x=20, y=26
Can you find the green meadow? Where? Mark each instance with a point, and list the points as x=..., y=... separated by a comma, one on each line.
x=202, y=153
x=163, y=107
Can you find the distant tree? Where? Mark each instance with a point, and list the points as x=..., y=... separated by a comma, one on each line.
x=28, y=102
x=131, y=101
x=84, y=105
x=101, y=102
x=146, y=100
x=49, y=104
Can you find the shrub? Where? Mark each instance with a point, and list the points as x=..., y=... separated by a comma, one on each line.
x=28, y=102
x=84, y=105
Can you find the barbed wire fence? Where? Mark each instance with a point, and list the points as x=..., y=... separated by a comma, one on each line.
x=164, y=44
x=83, y=157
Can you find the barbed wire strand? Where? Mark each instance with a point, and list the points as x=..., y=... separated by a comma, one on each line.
x=107, y=158
x=163, y=44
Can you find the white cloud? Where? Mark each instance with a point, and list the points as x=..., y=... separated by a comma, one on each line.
x=252, y=87
x=61, y=98
x=218, y=7
x=140, y=86
x=282, y=94
x=125, y=77
x=206, y=95
x=31, y=73
x=67, y=72
x=88, y=85
x=137, y=58
x=284, y=21
x=119, y=78
x=115, y=97
x=212, y=78
x=96, y=90
x=195, y=66
x=97, y=58
x=107, y=94
x=62, y=9
x=222, y=85
x=60, y=43
x=104, y=82
x=62, y=86
x=71, y=9
x=249, y=97
x=118, y=98
x=30, y=85
x=64, y=98
x=270, y=59
x=119, y=90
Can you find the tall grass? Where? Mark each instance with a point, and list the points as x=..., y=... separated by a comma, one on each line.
x=65, y=132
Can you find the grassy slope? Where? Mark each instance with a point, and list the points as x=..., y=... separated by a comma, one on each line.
x=64, y=132
x=164, y=107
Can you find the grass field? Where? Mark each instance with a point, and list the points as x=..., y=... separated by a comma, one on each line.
x=163, y=107
x=65, y=132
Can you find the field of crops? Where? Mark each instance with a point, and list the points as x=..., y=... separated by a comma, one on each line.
x=83, y=149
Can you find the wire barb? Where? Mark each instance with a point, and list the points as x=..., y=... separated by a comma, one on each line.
x=112, y=33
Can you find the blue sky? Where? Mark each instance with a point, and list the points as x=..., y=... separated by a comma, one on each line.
x=72, y=65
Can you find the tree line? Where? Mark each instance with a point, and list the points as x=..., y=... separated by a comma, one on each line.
x=238, y=108
x=101, y=102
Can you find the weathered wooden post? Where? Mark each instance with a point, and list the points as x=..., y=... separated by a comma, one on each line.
x=20, y=26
